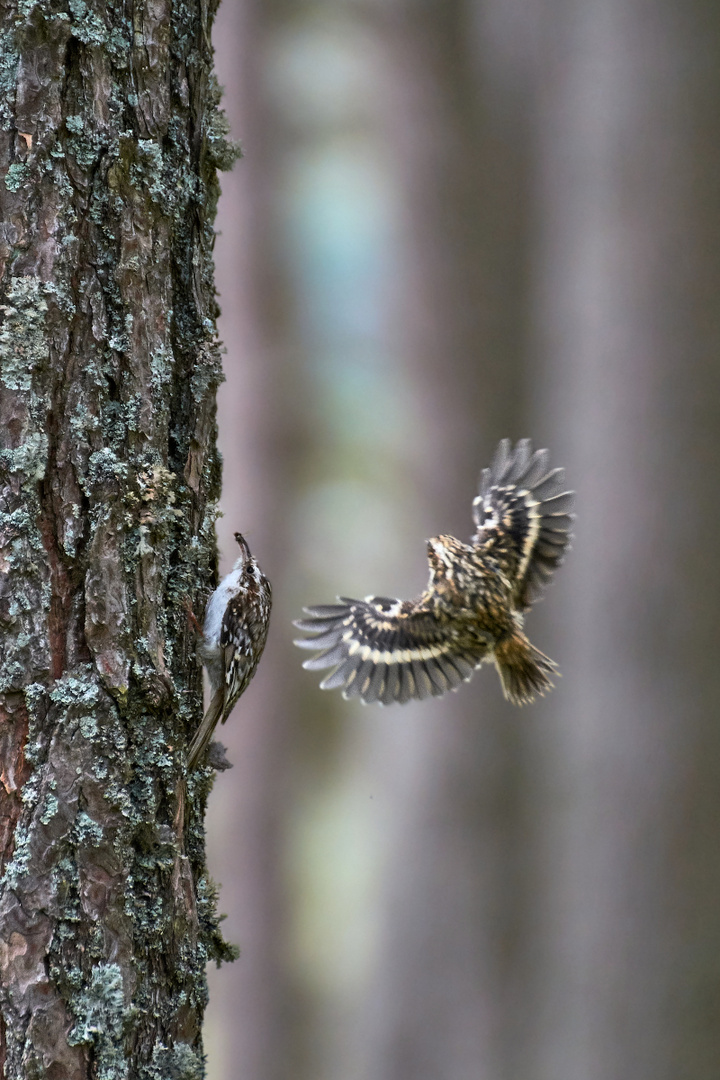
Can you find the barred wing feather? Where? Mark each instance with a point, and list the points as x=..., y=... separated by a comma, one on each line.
x=523, y=505
x=383, y=650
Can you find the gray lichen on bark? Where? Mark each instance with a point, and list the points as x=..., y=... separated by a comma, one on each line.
x=110, y=137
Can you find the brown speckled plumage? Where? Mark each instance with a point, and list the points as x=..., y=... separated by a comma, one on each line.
x=234, y=634
x=471, y=612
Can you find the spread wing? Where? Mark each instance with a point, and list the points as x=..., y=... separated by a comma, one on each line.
x=384, y=650
x=524, y=508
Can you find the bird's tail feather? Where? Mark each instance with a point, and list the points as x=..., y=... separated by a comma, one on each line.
x=204, y=733
x=523, y=669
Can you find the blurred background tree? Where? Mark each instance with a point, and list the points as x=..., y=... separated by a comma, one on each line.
x=456, y=222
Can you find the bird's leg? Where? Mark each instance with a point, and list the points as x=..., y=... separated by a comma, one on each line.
x=191, y=618
x=179, y=819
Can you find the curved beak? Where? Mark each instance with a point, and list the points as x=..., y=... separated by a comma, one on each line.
x=243, y=546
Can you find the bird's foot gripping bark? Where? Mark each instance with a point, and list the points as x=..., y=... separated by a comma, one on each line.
x=523, y=669
x=191, y=617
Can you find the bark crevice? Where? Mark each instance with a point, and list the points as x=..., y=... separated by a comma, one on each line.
x=109, y=476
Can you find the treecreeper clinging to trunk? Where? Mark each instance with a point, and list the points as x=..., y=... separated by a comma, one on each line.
x=234, y=633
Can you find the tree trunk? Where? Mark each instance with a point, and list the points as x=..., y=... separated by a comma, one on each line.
x=628, y=970
x=452, y=770
x=110, y=139
x=247, y=1025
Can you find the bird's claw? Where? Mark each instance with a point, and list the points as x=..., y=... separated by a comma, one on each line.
x=191, y=617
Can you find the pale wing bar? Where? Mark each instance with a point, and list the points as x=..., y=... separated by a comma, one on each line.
x=381, y=652
x=523, y=499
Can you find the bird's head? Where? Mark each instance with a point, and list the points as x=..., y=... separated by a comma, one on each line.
x=443, y=555
x=439, y=555
x=451, y=564
x=251, y=572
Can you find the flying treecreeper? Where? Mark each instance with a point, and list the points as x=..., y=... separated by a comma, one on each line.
x=471, y=612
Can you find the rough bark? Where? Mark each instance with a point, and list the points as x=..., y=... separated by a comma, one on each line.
x=109, y=141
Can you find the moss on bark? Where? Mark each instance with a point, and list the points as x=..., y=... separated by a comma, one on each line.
x=110, y=137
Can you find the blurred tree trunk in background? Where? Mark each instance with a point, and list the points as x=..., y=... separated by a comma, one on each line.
x=548, y=909
x=442, y=1000
x=109, y=144
x=628, y=280
x=250, y=1025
